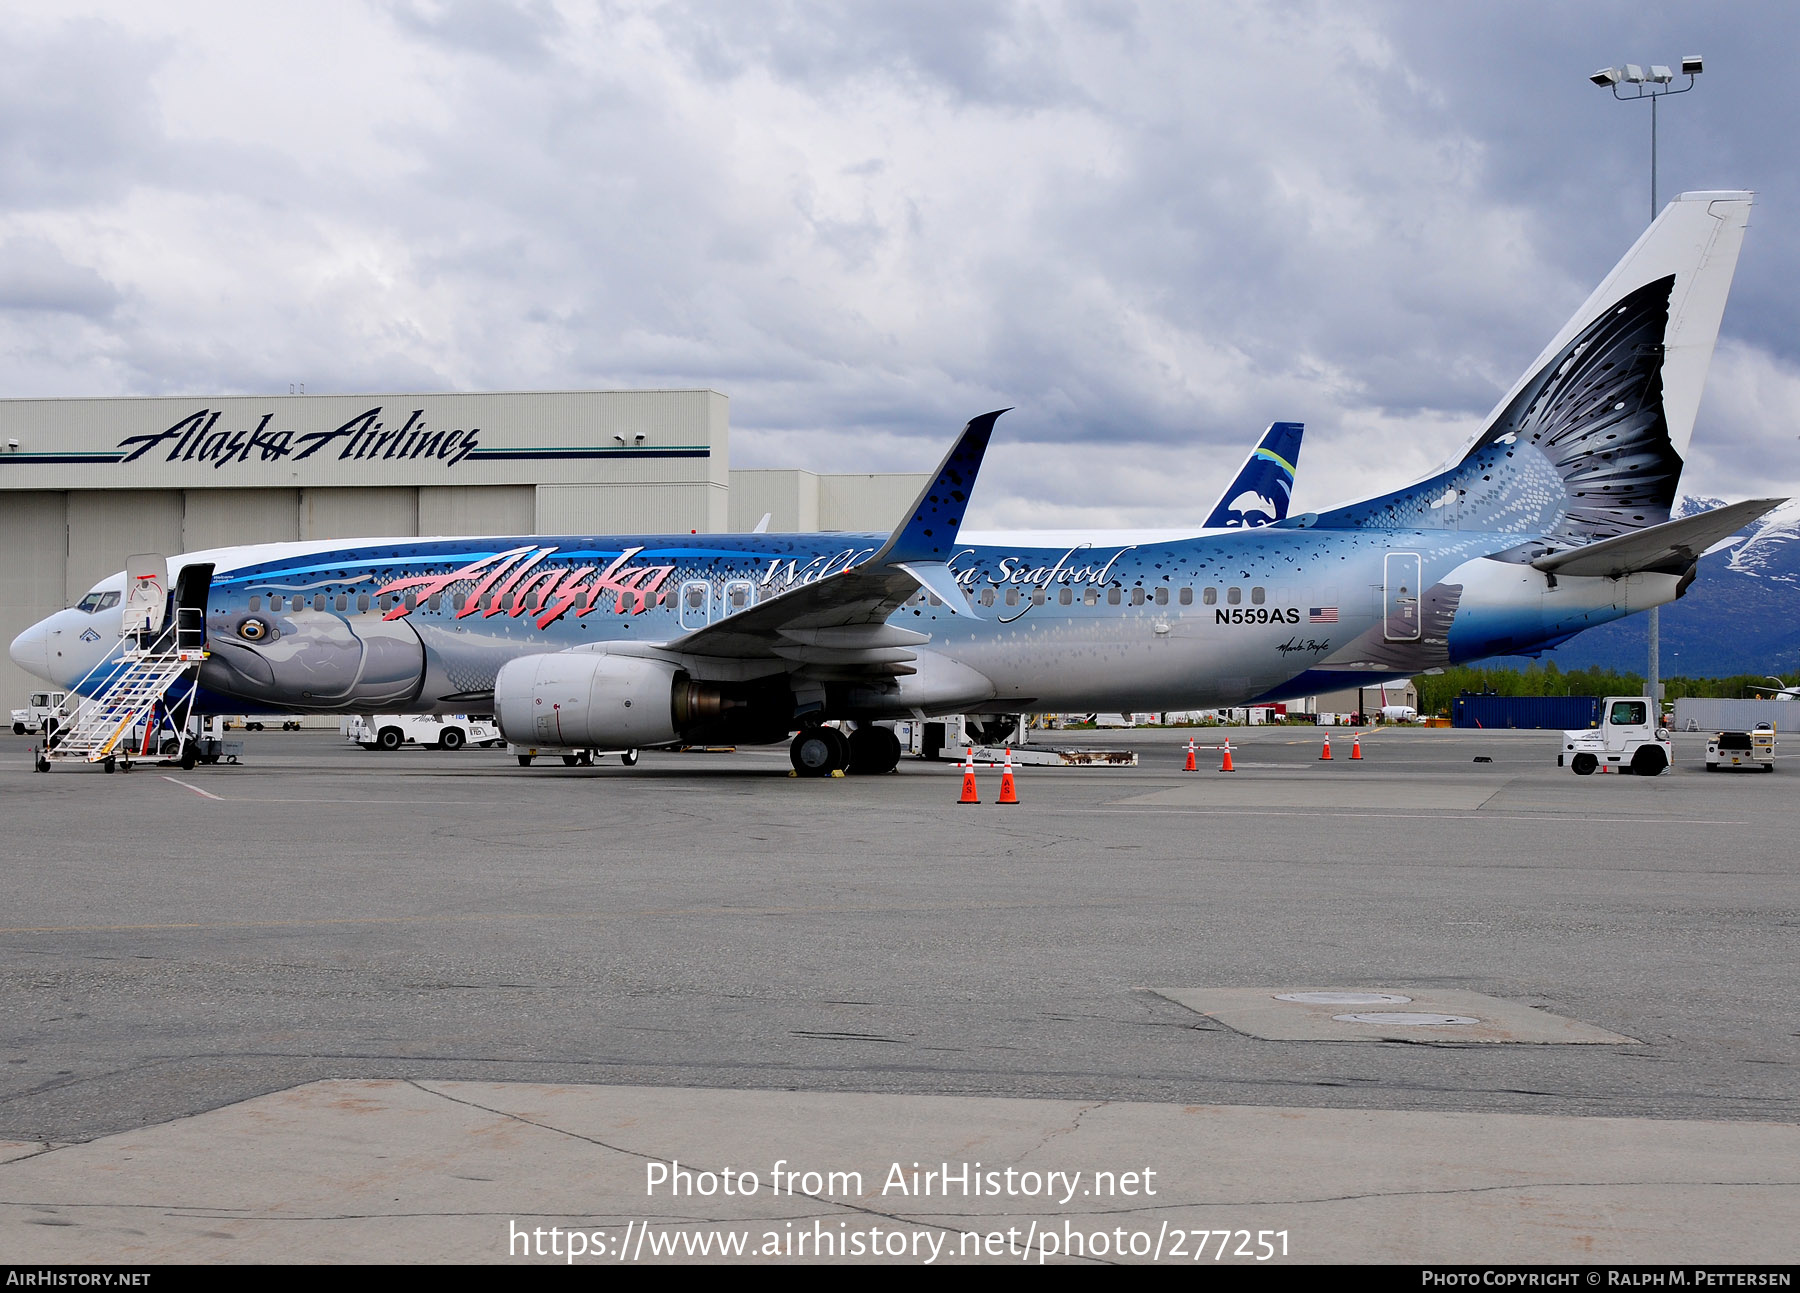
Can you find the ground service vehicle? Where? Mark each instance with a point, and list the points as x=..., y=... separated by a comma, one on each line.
x=1749, y=751
x=1630, y=738
x=441, y=731
x=43, y=705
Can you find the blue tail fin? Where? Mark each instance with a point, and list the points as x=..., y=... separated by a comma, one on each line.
x=1259, y=495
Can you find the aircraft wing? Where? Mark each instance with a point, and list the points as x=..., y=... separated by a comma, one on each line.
x=1670, y=547
x=838, y=624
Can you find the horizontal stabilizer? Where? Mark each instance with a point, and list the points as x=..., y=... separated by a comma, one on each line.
x=1669, y=548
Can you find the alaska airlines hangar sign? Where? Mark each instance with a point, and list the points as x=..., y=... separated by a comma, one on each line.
x=199, y=440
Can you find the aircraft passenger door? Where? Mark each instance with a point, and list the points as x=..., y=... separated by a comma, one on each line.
x=1400, y=575
x=696, y=604
x=146, y=593
x=739, y=594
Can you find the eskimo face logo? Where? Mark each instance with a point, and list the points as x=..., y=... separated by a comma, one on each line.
x=550, y=592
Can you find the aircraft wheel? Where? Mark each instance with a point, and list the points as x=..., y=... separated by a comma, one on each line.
x=111, y=765
x=818, y=752
x=188, y=756
x=41, y=763
x=390, y=738
x=1584, y=764
x=124, y=765
x=524, y=760
x=571, y=760
x=452, y=739
x=873, y=750
x=1648, y=762
x=630, y=758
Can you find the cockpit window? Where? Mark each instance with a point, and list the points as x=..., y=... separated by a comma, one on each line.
x=97, y=602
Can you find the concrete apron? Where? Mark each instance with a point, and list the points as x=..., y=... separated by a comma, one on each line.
x=385, y=1171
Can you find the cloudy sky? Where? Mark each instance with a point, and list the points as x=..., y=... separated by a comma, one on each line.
x=1152, y=228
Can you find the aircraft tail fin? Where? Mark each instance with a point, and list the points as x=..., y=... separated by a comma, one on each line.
x=1259, y=494
x=1589, y=443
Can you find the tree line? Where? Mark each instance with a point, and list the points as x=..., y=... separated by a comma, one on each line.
x=1436, y=691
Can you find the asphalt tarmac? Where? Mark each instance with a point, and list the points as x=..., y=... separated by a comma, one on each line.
x=173, y=942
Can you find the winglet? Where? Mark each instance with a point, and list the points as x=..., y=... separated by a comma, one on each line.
x=928, y=532
x=1268, y=473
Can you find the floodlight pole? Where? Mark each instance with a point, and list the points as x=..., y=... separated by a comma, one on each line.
x=1646, y=88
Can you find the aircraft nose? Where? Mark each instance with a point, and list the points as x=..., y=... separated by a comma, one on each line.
x=31, y=650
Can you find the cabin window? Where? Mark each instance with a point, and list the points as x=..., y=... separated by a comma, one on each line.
x=362, y=601
x=436, y=602
x=1137, y=597
x=1090, y=596
x=934, y=599
x=1065, y=596
x=1256, y=597
x=1233, y=596
x=1162, y=596
x=696, y=597
x=987, y=597
x=1012, y=597
x=343, y=601
x=740, y=598
x=1211, y=596
x=1187, y=597
x=274, y=601
x=1037, y=595
x=318, y=601
x=412, y=600
x=458, y=602
x=256, y=602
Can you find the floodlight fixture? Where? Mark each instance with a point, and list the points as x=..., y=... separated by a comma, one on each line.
x=1634, y=73
x=1660, y=74
x=1605, y=77
x=1690, y=66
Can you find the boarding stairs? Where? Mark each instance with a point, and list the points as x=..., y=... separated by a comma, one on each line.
x=101, y=729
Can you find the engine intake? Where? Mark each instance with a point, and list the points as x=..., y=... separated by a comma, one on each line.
x=586, y=700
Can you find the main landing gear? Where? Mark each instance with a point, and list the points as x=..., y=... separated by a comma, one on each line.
x=821, y=751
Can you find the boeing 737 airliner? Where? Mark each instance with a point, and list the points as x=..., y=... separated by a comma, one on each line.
x=1554, y=519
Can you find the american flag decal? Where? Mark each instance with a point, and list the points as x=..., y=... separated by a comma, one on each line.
x=1322, y=615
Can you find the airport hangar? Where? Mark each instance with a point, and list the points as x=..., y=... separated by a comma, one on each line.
x=86, y=483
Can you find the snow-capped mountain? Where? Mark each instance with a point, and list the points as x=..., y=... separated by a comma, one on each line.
x=1771, y=551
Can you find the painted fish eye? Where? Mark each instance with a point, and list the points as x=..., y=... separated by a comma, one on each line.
x=255, y=630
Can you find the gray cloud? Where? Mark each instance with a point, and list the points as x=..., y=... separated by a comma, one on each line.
x=35, y=276
x=1151, y=227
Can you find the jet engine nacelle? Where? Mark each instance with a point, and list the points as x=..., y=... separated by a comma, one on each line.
x=586, y=700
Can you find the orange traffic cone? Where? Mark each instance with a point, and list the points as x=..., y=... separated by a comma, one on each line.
x=968, y=791
x=1226, y=765
x=1190, y=765
x=1356, y=746
x=1008, y=793
x=1326, y=757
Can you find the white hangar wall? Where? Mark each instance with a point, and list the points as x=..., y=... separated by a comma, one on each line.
x=91, y=481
